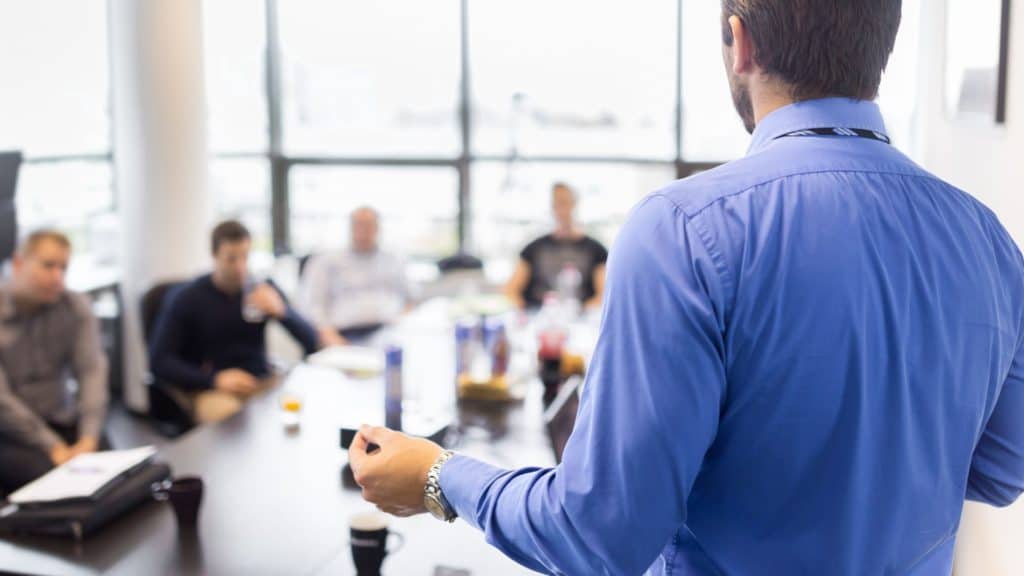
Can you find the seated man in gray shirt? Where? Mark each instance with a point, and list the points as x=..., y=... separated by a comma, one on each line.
x=353, y=292
x=47, y=337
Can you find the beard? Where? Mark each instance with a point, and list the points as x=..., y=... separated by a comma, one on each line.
x=741, y=100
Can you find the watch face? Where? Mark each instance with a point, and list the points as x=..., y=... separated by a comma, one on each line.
x=434, y=507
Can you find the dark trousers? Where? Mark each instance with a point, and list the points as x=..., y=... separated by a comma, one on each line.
x=21, y=464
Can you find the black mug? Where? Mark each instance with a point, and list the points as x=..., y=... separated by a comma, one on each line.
x=369, y=534
x=185, y=494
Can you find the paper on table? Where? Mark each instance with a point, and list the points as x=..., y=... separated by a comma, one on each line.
x=82, y=476
x=358, y=359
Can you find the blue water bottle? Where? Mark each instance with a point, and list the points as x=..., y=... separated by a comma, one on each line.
x=393, y=387
x=463, y=347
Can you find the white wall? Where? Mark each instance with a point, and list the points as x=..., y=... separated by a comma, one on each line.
x=988, y=162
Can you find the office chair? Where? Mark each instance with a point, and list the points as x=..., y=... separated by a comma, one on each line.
x=10, y=162
x=169, y=406
x=459, y=262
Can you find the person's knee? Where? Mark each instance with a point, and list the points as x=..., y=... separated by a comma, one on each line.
x=215, y=406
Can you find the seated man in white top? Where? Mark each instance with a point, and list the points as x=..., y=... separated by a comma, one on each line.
x=352, y=293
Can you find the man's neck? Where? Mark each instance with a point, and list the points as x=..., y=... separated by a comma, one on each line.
x=222, y=286
x=767, y=98
x=567, y=232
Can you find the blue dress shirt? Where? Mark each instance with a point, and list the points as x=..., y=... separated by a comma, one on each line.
x=808, y=359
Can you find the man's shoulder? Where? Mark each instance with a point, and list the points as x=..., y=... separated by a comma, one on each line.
x=189, y=292
x=780, y=163
x=543, y=240
x=77, y=304
x=693, y=194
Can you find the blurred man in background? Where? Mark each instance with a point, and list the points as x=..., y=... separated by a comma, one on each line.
x=49, y=337
x=565, y=261
x=210, y=338
x=352, y=293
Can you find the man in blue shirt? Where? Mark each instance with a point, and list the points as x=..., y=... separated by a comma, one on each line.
x=808, y=357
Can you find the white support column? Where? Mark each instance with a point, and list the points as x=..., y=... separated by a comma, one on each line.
x=160, y=154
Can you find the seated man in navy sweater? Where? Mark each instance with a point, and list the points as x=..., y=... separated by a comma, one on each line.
x=209, y=338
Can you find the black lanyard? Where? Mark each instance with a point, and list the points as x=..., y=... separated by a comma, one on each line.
x=845, y=132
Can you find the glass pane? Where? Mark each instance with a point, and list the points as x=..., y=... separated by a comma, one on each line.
x=418, y=207
x=241, y=190
x=712, y=130
x=897, y=95
x=55, y=97
x=234, y=40
x=573, y=78
x=972, y=58
x=370, y=78
x=512, y=201
x=76, y=197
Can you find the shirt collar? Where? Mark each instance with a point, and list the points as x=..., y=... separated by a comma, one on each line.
x=824, y=113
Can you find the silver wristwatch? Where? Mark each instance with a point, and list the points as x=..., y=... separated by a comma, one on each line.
x=433, y=498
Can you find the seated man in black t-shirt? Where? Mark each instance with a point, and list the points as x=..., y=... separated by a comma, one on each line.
x=565, y=260
x=209, y=339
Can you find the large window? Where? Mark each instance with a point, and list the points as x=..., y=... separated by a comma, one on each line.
x=57, y=113
x=898, y=94
x=454, y=117
x=369, y=78
x=711, y=129
x=235, y=44
x=573, y=78
x=418, y=211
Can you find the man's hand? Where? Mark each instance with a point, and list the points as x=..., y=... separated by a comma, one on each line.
x=330, y=337
x=235, y=381
x=393, y=476
x=60, y=453
x=85, y=445
x=265, y=299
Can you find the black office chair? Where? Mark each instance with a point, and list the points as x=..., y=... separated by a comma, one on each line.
x=169, y=406
x=460, y=262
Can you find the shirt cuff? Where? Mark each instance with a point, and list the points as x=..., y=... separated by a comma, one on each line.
x=463, y=481
x=91, y=426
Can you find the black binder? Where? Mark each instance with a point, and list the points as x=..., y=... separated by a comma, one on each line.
x=80, y=518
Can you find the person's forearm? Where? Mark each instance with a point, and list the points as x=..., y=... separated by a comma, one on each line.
x=301, y=330
x=93, y=399
x=515, y=297
x=91, y=368
x=19, y=423
x=177, y=372
x=527, y=514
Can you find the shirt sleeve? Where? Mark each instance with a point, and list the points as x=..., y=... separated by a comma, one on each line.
x=166, y=360
x=19, y=423
x=649, y=412
x=529, y=254
x=600, y=252
x=997, y=469
x=90, y=367
x=297, y=326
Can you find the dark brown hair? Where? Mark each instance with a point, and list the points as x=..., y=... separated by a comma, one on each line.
x=820, y=48
x=33, y=240
x=228, y=232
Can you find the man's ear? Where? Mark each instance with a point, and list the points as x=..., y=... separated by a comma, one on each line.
x=742, y=48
